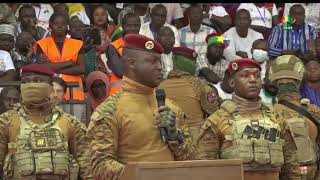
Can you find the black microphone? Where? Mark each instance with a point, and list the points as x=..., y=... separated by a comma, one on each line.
x=161, y=99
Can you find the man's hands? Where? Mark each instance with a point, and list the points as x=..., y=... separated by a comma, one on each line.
x=168, y=122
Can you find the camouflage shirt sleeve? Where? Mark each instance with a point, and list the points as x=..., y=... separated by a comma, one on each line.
x=4, y=138
x=6, y=15
x=209, y=98
x=103, y=137
x=185, y=150
x=79, y=146
x=290, y=170
x=208, y=142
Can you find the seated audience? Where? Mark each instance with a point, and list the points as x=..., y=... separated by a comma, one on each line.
x=241, y=37
x=64, y=55
x=7, y=70
x=23, y=53
x=28, y=22
x=9, y=96
x=259, y=50
x=193, y=36
x=312, y=13
x=158, y=20
x=263, y=16
x=59, y=91
x=97, y=88
x=310, y=87
x=174, y=13
x=286, y=41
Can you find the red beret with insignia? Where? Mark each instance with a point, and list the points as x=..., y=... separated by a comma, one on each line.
x=140, y=42
x=42, y=69
x=238, y=64
x=185, y=51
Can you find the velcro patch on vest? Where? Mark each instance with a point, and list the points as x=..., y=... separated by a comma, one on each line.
x=41, y=142
x=211, y=97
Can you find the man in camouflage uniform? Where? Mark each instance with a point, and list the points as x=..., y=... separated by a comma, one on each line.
x=245, y=128
x=287, y=73
x=196, y=98
x=37, y=139
x=6, y=15
x=125, y=128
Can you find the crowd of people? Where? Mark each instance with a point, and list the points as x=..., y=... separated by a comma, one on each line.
x=241, y=81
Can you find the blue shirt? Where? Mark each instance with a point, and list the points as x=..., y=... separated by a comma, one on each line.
x=281, y=39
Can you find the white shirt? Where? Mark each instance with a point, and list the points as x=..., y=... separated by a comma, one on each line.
x=167, y=64
x=238, y=43
x=6, y=63
x=146, y=31
x=260, y=16
x=217, y=11
x=263, y=70
x=312, y=13
x=221, y=93
x=44, y=13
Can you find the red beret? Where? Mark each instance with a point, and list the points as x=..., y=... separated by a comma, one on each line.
x=43, y=69
x=185, y=51
x=140, y=42
x=238, y=64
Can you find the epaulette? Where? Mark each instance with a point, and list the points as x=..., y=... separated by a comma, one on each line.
x=229, y=106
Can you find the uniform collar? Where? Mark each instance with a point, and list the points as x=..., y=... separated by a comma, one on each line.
x=133, y=86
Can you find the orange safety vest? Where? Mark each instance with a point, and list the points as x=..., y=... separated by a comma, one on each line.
x=70, y=50
x=116, y=82
x=118, y=45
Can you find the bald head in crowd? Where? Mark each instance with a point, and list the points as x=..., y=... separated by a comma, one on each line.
x=131, y=24
x=166, y=39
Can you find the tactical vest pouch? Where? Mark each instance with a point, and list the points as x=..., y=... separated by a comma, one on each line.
x=305, y=149
x=261, y=151
x=60, y=162
x=241, y=149
x=276, y=154
x=8, y=165
x=74, y=170
x=43, y=162
x=25, y=163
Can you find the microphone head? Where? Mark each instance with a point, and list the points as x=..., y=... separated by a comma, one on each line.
x=161, y=97
x=160, y=94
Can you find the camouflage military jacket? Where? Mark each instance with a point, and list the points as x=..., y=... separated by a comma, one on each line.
x=215, y=137
x=124, y=129
x=74, y=131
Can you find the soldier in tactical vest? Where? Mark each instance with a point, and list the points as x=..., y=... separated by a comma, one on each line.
x=125, y=128
x=37, y=139
x=301, y=117
x=245, y=128
x=196, y=98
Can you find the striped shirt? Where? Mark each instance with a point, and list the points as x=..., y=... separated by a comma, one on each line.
x=281, y=39
x=195, y=41
x=219, y=68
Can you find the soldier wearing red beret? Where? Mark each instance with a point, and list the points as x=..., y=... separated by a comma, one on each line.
x=125, y=128
x=196, y=98
x=41, y=133
x=247, y=129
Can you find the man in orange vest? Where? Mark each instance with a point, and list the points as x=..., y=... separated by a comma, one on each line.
x=64, y=55
x=130, y=25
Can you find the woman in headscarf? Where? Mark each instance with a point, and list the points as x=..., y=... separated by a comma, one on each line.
x=97, y=85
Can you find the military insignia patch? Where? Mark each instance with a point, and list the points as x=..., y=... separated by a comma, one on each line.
x=40, y=142
x=234, y=66
x=149, y=45
x=211, y=97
